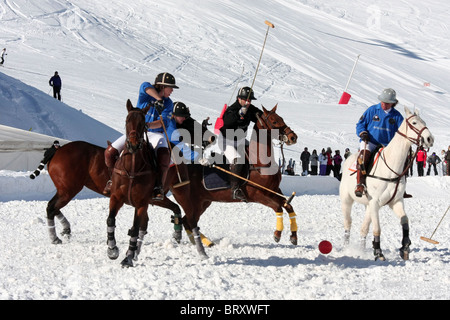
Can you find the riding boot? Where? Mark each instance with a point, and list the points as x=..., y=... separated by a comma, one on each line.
x=235, y=182
x=111, y=156
x=360, y=176
x=163, y=161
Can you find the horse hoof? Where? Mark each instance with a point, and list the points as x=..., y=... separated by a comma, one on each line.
x=66, y=233
x=404, y=253
x=277, y=236
x=293, y=240
x=379, y=255
x=113, y=253
x=127, y=262
x=177, y=236
x=56, y=241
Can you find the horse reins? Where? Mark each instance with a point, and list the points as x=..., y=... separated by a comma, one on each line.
x=416, y=141
x=133, y=151
x=265, y=124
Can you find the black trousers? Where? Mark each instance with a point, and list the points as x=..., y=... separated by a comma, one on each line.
x=57, y=92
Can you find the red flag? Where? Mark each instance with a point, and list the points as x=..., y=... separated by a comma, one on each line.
x=219, y=120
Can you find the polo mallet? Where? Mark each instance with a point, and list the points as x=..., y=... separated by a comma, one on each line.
x=431, y=240
x=181, y=183
x=288, y=200
x=269, y=25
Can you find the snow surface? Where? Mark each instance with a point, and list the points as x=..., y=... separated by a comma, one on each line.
x=104, y=52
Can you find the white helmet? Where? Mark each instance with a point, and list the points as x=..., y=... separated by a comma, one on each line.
x=388, y=96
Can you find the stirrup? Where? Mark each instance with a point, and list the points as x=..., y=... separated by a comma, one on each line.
x=107, y=189
x=358, y=192
x=238, y=194
x=158, y=194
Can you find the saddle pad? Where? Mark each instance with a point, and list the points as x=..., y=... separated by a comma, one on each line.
x=353, y=167
x=214, y=179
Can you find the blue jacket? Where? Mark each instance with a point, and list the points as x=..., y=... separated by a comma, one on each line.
x=380, y=125
x=55, y=81
x=152, y=114
x=174, y=136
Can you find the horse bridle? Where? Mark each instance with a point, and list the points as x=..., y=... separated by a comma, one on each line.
x=138, y=136
x=265, y=123
x=416, y=141
x=418, y=132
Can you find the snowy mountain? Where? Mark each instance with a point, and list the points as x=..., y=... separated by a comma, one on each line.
x=104, y=52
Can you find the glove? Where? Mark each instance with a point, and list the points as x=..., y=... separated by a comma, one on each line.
x=204, y=162
x=159, y=106
x=364, y=136
x=243, y=111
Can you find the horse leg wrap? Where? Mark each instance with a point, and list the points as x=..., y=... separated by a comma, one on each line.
x=176, y=220
x=280, y=225
x=377, y=249
x=293, y=221
x=132, y=247
x=65, y=223
x=140, y=241
x=206, y=241
x=190, y=236
x=198, y=242
x=111, y=227
x=52, y=232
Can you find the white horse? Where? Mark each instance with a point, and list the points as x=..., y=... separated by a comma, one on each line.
x=385, y=183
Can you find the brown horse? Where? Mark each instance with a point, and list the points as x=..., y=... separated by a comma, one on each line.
x=76, y=165
x=133, y=181
x=195, y=198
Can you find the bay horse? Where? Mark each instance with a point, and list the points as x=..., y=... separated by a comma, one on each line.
x=195, y=198
x=386, y=182
x=133, y=181
x=81, y=164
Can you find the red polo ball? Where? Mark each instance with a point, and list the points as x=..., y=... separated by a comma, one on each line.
x=325, y=247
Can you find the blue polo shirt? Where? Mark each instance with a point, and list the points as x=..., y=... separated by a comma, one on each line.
x=380, y=125
x=152, y=115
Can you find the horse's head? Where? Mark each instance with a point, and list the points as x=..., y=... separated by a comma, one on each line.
x=135, y=127
x=270, y=120
x=416, y=130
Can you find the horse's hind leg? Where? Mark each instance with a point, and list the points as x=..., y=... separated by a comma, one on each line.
x=292, y=222
x=53, y=211
x=346, y=207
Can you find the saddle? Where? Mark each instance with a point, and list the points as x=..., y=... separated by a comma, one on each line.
x=374, y=156
x=215, y=179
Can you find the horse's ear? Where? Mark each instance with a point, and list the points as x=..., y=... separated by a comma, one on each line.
x=275, y=108
x=407, y=112
x=129, y=105
x=264, y=109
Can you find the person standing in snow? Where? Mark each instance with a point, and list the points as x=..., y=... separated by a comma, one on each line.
x=56, y=83
x=421, y=160
x=314, y=160
x=377, y=126
x=337, y=161
x=323, y=160
x=3, y=56
x=304, y=158
x=433, y=160
x=447, y=159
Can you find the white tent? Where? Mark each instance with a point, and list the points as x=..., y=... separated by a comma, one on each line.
x=22, y=150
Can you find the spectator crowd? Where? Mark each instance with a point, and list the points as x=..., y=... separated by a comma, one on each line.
x=326, y=163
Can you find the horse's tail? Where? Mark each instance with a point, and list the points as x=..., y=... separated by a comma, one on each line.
x=48, y=155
